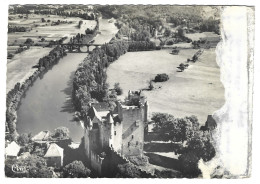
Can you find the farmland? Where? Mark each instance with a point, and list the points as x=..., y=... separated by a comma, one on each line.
x=46, y=30
x=20, y=66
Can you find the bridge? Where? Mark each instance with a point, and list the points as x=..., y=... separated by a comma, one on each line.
x=77, y=47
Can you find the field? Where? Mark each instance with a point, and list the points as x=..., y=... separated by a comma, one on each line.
x=19, y=68
x=46, y=30
x=196, y=91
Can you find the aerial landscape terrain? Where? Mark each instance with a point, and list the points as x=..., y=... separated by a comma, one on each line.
x=112, y=91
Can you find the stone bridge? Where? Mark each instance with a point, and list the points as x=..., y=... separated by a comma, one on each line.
x=78, y=47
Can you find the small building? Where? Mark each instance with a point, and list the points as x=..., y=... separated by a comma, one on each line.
x=12, y=150
x=54, y=156
x=210, y=124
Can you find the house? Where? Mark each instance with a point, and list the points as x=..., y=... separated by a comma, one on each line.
x=12, y=150
x=54, y=156
x=41, y=137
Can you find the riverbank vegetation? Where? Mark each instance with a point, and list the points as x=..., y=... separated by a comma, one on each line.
x=88, y=36
x=14, y=96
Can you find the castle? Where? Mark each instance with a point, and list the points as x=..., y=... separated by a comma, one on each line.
x=120, y=130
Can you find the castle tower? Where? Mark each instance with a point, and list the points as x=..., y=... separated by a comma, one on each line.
x=133, y=115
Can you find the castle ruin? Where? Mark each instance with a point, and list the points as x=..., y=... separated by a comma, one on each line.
x=120, y=130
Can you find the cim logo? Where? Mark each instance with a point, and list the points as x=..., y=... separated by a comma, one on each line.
x=18, y=169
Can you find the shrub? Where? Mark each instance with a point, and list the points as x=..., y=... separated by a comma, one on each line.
x=150, y=85
x=170, y=42
x=118, y=89
x=161, y=77
x=158, y=48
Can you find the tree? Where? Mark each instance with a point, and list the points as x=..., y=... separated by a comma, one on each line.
x=29, y=41
x=32, y=167
x=76, y=169
x=200, y=144
x=180, y=32
x=61, y=132
x=150, y=85
x=160, y=119
x=161, y=77
x=189, y=164
x=167, y=32
x=118, y=89
x=24, y=139
x=128, y=171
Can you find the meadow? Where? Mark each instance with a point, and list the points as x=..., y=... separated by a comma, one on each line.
x=196, y=91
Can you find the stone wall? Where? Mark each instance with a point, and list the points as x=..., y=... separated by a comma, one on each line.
x=133, y=130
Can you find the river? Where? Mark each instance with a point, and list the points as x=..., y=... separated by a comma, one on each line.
x=47, y=104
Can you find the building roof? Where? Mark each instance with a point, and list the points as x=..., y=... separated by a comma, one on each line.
x=92, y=113
x=43, y=135
x=116, y=118
x=54, y=151
x=12, y=149
x=109, y=118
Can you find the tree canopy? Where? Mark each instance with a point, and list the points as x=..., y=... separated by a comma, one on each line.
x=76, y=169
x=61, y=132
x=33, y=167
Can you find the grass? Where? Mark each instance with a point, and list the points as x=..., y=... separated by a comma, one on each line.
x=196, y=91
x=19, y=68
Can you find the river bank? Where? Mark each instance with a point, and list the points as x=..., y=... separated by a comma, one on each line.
x=31, y=117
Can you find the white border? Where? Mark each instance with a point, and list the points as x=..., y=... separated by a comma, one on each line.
x=256, y=126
